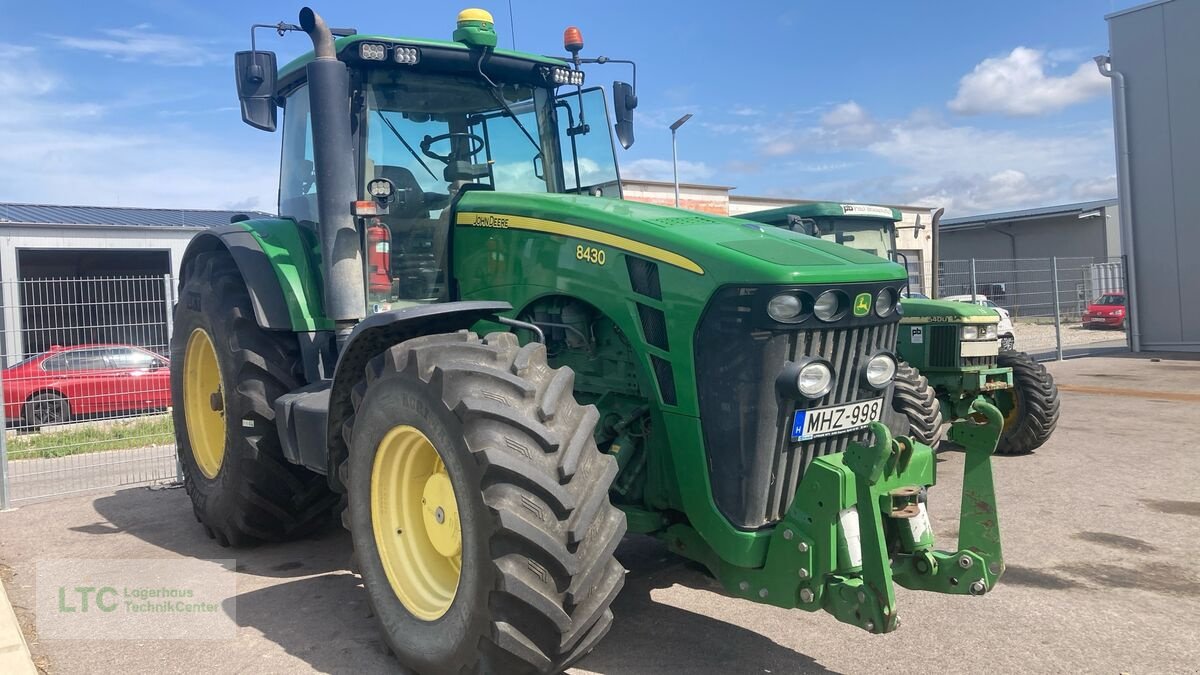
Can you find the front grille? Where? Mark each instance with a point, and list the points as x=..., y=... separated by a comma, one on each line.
x=943, y=346
x=754, y=467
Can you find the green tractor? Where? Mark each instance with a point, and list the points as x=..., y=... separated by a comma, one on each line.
x=719, y=384
x=948, y=349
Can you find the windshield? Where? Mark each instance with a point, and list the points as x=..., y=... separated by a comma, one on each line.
x=437, y=132
x=870, y=236
x=432, y=134
x=1109, y=299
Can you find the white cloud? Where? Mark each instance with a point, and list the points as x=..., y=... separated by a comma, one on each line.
x=62, y=141
x=922, y=159
x=660, y=169
x=139, y=43
x=1018, y=85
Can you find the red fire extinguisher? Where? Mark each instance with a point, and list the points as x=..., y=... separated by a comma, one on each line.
x=379, y=259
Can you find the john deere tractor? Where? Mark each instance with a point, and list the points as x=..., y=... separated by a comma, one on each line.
x=720, y=384
x=948, y=348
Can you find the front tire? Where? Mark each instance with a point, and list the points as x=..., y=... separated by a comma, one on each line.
x=524, y=582
x=226, y=373
x=1030, y=408
x=917, y=406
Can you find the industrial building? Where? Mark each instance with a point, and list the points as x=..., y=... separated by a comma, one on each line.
x=1152, y=61
x=109, y=268
x=1086, y=229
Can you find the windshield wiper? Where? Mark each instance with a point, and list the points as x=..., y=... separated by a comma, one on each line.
x=406, y=145
x=504, y=104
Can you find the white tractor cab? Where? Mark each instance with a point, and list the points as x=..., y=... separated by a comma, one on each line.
x=1008, y=338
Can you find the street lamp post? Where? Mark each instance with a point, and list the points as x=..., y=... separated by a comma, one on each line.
x=675, y=155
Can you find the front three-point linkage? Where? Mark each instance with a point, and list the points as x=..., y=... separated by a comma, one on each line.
x=978, y=563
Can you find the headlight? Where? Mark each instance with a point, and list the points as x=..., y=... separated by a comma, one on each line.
x=786, y=308
x=880, y=370
x=406, y=55
x=814, y=380
x=885, y=303
x=986, y=331
x=829, y=306
x=372, y=52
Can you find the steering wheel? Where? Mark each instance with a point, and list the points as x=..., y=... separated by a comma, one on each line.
x=445, y=159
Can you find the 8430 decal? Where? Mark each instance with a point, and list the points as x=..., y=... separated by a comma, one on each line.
x=590, y=254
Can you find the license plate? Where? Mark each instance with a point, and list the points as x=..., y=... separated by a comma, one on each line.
x=838, y=419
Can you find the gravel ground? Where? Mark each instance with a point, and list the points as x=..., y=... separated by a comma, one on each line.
x=1039, y=337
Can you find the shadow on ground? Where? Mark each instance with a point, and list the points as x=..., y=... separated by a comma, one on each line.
x=654, y=637
x=301, y=598
x=163, y=518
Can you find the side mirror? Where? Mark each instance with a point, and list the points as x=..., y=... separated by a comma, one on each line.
x=255, y=72
x=624, y=101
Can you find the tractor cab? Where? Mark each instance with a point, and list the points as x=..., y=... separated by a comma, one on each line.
x=429, y=120
x=865, y=227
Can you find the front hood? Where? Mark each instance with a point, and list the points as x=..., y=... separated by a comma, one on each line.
x=740, y=250
x=946, y=311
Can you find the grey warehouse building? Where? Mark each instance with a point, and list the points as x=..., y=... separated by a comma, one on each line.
x=61, y=267
x=1153, y=62
x=1084, y=229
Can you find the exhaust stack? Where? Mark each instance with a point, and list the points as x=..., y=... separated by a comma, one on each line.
x=333, y=165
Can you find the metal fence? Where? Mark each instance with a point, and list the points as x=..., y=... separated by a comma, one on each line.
x=86, y=385
x=1055, y=304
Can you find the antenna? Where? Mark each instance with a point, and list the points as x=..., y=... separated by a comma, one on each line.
x=512, y=26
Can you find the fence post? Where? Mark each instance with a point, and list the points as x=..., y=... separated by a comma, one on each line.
x=169, y=304
x=4, y=500
x=973, y=284
x=1057, y=311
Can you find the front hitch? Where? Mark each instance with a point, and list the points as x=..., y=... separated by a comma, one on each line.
x=859, y=522
x=893, y=522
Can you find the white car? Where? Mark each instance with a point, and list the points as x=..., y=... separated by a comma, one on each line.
x=1008, y=338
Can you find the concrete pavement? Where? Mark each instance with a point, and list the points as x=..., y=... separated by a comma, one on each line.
x=1101, y=533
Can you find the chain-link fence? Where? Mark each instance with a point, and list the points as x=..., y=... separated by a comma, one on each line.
x=86, y=385
x=1052, y=305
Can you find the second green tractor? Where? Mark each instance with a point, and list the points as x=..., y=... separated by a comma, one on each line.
x=948, y=350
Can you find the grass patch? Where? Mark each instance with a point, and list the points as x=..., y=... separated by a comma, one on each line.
x=85, y=437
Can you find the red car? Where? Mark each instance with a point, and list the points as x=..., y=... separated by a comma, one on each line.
x=1107, y=311
x=85, y=380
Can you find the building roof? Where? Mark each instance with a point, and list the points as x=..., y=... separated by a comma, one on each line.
x=1026, y=214
x=1136, y=8
x=49, y=214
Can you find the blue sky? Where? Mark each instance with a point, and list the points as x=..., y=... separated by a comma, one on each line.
x=972, y=106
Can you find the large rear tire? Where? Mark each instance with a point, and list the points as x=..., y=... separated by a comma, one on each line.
x=916, y=403
x=1030, y=408
x=509, y=566
x=226, y=373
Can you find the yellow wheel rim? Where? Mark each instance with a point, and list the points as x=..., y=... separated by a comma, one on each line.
x=204, y=403
x=414, y=515
x=1010, y=417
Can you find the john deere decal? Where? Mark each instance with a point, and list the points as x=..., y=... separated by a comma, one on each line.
x=862, y=304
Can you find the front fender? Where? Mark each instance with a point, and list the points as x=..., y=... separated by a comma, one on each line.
x=372, y=337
